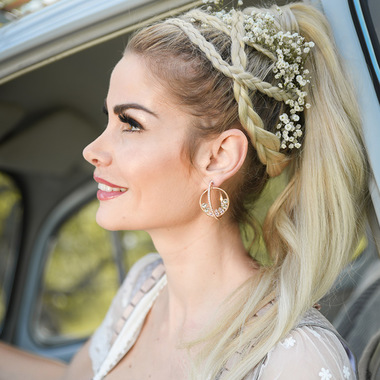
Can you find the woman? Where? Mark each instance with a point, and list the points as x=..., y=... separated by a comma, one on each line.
x=203, y=110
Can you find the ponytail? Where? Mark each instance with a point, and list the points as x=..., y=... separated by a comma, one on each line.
x=313, y=227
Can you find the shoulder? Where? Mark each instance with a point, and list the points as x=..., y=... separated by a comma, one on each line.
x=312, y=350
x=101, y=341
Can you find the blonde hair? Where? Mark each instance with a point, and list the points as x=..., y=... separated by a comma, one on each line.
x=313, y=227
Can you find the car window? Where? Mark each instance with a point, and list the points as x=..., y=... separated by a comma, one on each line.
x=85, y=266
x=12, y=10
x=10, y=229
x=367, y=12
x=374, y=12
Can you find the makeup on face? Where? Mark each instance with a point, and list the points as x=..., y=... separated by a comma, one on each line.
x=144, y=181
x=108, y=190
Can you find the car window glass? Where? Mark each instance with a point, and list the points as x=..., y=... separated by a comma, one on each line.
x=10, y=234
x=11, y=10
x=374, y=29
x=374, y=9
x=84, y=268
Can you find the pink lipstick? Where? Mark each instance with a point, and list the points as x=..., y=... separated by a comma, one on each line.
x=108, y=190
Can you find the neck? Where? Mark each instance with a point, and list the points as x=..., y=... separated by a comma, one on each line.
x=205, y=263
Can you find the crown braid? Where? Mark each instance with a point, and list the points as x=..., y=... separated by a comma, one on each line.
x=236, y=73
x=266, y=143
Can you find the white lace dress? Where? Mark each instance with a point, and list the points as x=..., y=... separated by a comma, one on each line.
x=312, y=350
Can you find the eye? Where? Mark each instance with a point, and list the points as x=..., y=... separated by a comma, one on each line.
x=130, y=125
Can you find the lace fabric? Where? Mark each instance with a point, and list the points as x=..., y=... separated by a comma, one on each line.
x=308, y=352
x=312, y=350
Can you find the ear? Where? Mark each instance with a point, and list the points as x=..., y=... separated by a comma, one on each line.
x=223, y=156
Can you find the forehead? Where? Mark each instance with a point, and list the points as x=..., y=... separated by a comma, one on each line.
x=132, y=80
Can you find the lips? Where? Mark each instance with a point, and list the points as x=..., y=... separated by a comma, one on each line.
x=108, y=190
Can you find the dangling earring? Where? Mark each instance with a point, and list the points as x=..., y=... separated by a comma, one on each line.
x=218, y=212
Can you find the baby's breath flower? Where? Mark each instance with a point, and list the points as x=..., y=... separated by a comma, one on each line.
x=290, y=50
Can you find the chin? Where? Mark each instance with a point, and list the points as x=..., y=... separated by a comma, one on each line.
x=107, y=222
x=118, y=222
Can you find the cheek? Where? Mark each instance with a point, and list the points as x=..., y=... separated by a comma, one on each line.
x=166, y=188
x=162, y=188
x=162, y=177
x=157, y=162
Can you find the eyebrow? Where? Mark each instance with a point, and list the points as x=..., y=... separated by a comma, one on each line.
x=120, y=108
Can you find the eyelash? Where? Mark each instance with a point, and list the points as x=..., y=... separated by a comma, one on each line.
x=135, y=126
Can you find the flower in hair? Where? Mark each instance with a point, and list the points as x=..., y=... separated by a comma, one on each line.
x=213, y=4
x=219, y=4
x=288, y=52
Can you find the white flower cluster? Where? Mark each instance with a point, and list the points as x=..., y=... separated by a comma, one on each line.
x=218, y=4
x=290, y=50
x=213, y=4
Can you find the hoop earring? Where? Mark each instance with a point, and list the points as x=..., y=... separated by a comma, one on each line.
x=207, y=208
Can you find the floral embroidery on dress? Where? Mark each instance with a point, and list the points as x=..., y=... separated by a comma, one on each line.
x=346, y=372
x=325, y=374
x=288, y=342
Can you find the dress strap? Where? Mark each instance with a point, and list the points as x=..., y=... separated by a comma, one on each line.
x=128, y=326
x=146, y=287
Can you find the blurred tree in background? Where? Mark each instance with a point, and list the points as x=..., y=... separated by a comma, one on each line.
x=85, y=267
x=10, y=229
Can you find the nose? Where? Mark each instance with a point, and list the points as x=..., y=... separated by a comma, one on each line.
x=96, y=154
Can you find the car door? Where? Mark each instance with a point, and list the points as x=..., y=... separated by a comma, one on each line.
x=58, y=269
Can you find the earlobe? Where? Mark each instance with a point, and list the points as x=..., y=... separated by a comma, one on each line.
x=227, y=155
